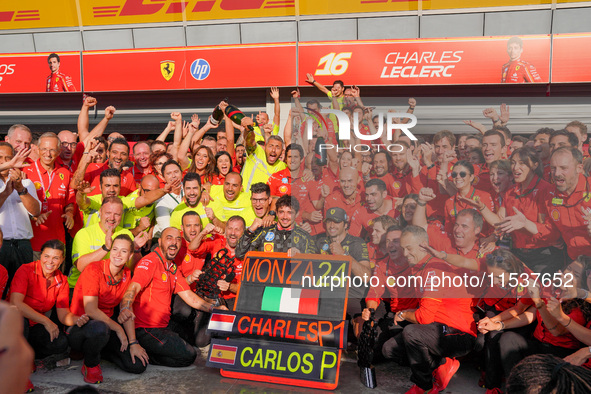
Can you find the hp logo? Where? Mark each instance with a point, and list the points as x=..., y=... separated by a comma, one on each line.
x=200, y=69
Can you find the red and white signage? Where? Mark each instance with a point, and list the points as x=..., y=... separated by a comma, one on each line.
x=571, y=58
x=419, y=61
x=222, y=67
x=28, y=73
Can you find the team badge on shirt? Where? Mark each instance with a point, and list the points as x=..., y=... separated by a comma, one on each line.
x=270, y=236
x=396, y=185
x=268, y=246
x=164, y=277
x=61, y=176
x=284, y=180
x=555, y=215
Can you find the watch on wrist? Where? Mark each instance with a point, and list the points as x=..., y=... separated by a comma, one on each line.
x=400, y=316
x=104, y=247
x=273, y=213
x=23, y=192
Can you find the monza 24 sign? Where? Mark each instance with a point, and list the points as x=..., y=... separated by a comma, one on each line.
x=288, y=326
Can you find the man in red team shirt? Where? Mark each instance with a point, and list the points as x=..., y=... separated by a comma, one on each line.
x=147, y=300
x=141, y=154
x=54, y=192
x=90, y=172
x=58, y=81
x=443, y=322
x=377, y=203
x=517, y=70
x=347, y=196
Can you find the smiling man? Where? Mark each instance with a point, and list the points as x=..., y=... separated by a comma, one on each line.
x=191, y=201
x=93, y=243
x=228, y=200
x=57, y=81
x=517, y=70
x=142, y=167
x=118, y=155
x=261, y=163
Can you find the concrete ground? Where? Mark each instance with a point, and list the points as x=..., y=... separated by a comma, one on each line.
x=198, y=378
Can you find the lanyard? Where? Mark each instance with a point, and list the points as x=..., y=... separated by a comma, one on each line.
x=170, y=268
x=174, y=198
x=528, y=191
x=455, y=199
x=45, y=189
x=586, y=196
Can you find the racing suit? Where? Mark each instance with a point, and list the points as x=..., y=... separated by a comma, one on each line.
x=519, y=71
x=60, y=82
x=271, y=239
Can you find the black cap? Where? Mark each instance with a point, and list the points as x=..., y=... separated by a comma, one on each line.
x=337, y=214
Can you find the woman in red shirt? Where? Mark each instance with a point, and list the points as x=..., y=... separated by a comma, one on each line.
x=36, y=289
x=521, y=213
x=462, y=177
x=550, y=335
x=223, y=166
x=157, y=159
x=98, y=291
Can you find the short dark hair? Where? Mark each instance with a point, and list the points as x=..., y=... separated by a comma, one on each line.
x=477, y=137
x=394, y=227
x=543, y=130
x=573, y=140
x=208, y=138
x=190, y=176
x=7, y=145
x=377, y=182
x=466, y=164
x=168, y=163
x=519, y=138
x=260, y=187
x=236, y=218
x=54, y=244
x=191, y=213
x=110, y=173
x=296, y=147
x=119, y=141
x=287, y=201
x=55, y=55
x=505, y=130
x=493, y=132
x=339, y=82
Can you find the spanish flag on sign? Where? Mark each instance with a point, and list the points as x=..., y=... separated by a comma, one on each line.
x=223, y=354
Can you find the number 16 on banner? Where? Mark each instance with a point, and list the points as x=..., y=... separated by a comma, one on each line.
x=334, y=63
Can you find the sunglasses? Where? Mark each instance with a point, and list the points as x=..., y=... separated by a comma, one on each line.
x=462, y=174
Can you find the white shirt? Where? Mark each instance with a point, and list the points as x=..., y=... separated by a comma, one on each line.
x=15, y=220
x=163, y=210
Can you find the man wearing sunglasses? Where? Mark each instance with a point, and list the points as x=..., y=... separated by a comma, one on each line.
x=148, y=299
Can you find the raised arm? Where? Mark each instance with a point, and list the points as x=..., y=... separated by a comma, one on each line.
x=276, y=107
x=310, y=79
x=169, y=127
x=100, y=128
x=83, y=122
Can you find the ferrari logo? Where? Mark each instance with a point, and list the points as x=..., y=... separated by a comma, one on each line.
x=167, y=69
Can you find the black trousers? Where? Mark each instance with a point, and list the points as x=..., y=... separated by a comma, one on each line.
x=13, y=254
x=190, y=324
x=95, y=340
x=40, y=341
x=514, y=347
x=425, y=347
x=166, y=347
x=493, y=364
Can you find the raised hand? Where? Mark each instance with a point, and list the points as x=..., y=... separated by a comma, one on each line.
x=18, y=161
x=412, y=103
x=274, y=93
x=426, y=194
x=504, y=113
x=84, y=187
x=295, y=93
x=310, y=78
x=176, y=116
x=490, y=113
x=140, y=240
x=89, y=101
x=355, y=91
x=209, y=213
x=110, y=112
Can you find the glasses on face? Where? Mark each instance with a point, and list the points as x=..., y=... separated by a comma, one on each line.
x=462, y=174
x=259, y=200
x=68, y=144
x=52, y=151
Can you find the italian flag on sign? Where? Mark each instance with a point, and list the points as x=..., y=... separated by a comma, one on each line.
x=290, y=300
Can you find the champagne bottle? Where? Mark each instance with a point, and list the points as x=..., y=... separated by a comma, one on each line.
x=236, y=115
x=217, y=115
x=319, y=153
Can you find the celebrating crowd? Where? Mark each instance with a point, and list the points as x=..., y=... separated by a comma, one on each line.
x=106, y=242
